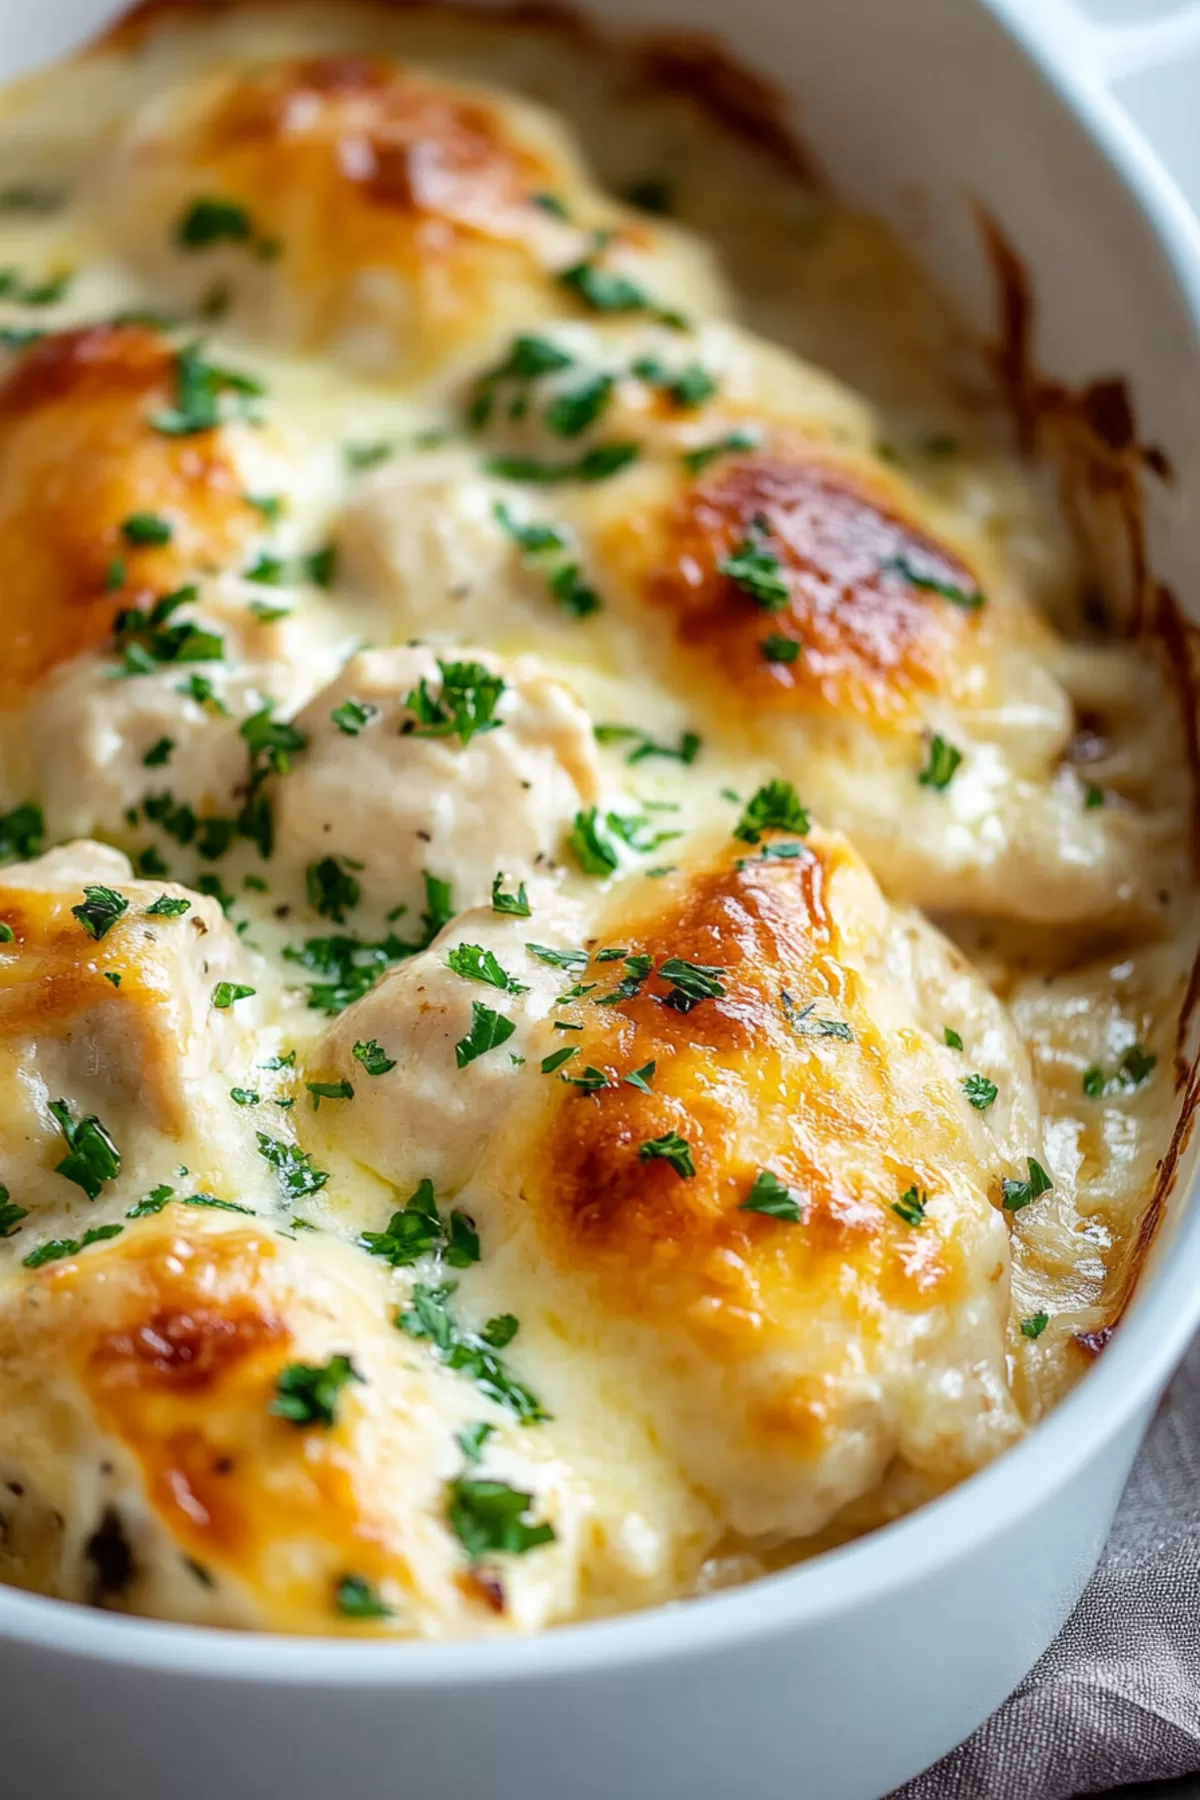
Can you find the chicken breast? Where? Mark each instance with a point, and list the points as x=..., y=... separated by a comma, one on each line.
x=415, y=762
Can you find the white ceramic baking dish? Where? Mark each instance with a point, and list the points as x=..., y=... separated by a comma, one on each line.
x=844, y=1677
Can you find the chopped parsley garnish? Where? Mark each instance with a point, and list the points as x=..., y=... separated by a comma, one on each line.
x=559, y=959
x=367, y=456
x=464, y=707
x=515, y=905
x=645, y=746
x=775, y=807
x=473, y=1353
x=488, y=1031
x=7, y=934
x=34, y=293
x=320, y=566
x=269, y=506
x=570, y=413
x=22, y=833
x=146, y=640
x=373, y=1057
x=244, y=1096
x=592, y=849
x=329, y=1090
x=100, y=910
x=952, y=1038
x=153, y=1202
x=756, y=570
x=1016, y=1194
x=10, y=1214
x=355, y=1598
x=1034, y=1326
x=640, y=1078
x=942, y=759
x=1136, y=1066
x=801, y=1021
x=418, y=1229
x=969, y=598
x=205, y=394
x=200, y=689
x=294, y=1166
x=474, y=963
x=150, y=864
x=698, y=460
x=471, y=1440
x=207, y=222
x=573, y=593
x=307, y=1393
x=691, y=983
x=669, y=1148
x=111, y=975
x=227, y=992
x=488, y=1518
x=528, y=359
x=210, y=1200
x=589, y=1080
x=911, y=1206
x=272, y=742
x=604, y=290
x=779, y=649
x=533, y=538
x=1093, y=796
x=158, y=753
x=558, y=1057
x=351, y=965
x=596, y=464
x=60, y=1247
x=689, y=387
x=146, y=529
x=771, y=1196
x=979, y=1091
x=92, y=1157
x=351, y=716
x=331, y=889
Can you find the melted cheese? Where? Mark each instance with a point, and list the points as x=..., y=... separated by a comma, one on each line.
x=436, y=986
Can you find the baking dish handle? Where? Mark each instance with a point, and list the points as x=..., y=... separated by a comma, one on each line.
x=1108, y=52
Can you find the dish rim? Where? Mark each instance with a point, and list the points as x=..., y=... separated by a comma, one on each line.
x=1162, y=1319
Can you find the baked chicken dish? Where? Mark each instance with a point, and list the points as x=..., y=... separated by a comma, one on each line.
x=597, y=891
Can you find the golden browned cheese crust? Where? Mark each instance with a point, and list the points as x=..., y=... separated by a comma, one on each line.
x=78, y=458
x=869, y=637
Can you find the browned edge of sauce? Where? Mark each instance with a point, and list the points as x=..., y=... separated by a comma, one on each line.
x=1091, y=433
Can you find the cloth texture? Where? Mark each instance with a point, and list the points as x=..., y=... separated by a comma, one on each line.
x=1116, y=1697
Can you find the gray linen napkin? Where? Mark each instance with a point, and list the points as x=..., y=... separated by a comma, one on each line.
x=1116, y=1698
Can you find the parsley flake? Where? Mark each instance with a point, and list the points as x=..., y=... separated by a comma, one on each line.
x=294, y=1166
x=464, y=706
x=355, y=1598
x=92, y=1157
x=942, y=760
x=756, y=570
x=373, y=1057
x=227, y=992
x=329, y=1090
x=100, y=910
x=1034, y=1326
x=474, y=963
x=979, y=1091
x=514, y=905
x=488, y=1031
x=592, y=849
x=429, y=1318
x=775, y=807
x=911, y=1206
x=489, y=1517
x=351, y=716
x=307, y=1393
x=1016, y=1194
x=771, y=1196
x=669, y=1148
